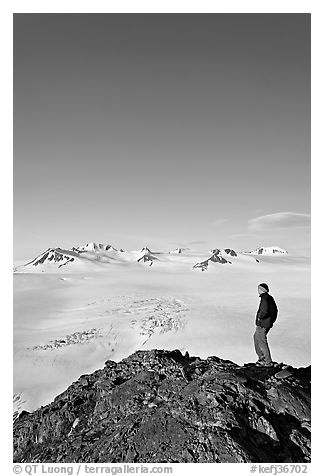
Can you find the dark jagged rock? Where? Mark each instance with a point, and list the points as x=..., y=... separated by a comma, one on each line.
x=230, y=252
x=215, y=258
x=53, y=255
x=147, y=257
x=161, y=406
x=216, y=251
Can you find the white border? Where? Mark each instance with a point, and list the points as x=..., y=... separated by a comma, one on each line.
x=313, y=7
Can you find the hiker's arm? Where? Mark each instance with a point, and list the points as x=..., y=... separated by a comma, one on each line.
x=263, y=309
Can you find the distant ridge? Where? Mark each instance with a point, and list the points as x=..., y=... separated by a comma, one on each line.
x=98, y=255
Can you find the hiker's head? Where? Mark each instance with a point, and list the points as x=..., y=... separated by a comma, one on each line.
x=263, y=288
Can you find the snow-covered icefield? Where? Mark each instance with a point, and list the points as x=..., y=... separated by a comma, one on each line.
x=68, y=324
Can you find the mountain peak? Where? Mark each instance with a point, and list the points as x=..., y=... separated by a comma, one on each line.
x=178, y=250
x=217, y=257
x=52, y=255
x=95, y=247
x=267, y=250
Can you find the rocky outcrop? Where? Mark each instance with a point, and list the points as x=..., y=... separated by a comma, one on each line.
x=55, y=255
x=95, y=247
x=178, y=251
x=268, y=250
x=147, y=257
x=215, y=258
x=162, y=406
x=231, y=252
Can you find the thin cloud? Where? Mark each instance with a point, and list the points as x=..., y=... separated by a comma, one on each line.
x=219, y=222
x=282, y=220
x=190, y=243
x=244, y=235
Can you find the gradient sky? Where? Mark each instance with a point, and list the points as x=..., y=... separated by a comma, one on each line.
x=161, y=130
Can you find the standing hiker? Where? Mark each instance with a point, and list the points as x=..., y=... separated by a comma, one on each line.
x=266, y=316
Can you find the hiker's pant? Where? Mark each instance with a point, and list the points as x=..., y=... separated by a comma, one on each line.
x=261, y=345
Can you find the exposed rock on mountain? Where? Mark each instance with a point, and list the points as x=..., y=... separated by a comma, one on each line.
x=97, y=256
x=145, y=249
x=55, y=255
x=215, y=258
x=95, y=247
x=268, y=250
x=230, y=252
x=147, y=257
x=178, y=251
x=161, y=406
x=226, y=251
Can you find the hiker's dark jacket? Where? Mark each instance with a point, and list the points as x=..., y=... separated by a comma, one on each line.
x=267, y=312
